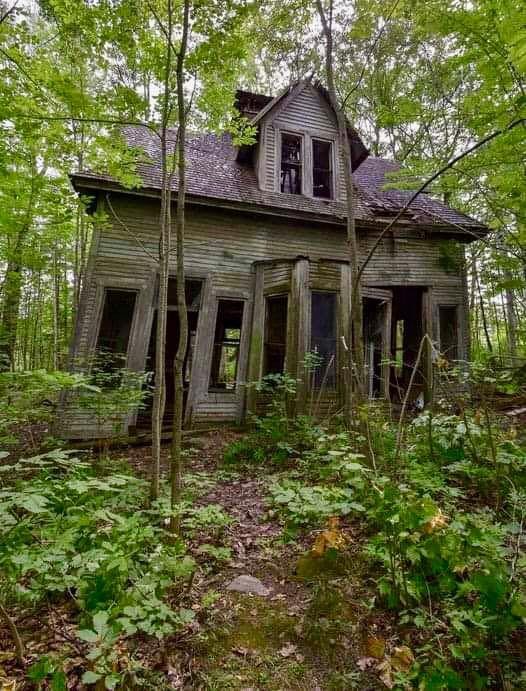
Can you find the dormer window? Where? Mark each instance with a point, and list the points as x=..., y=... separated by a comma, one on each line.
x=322, y=182
x=291, y=163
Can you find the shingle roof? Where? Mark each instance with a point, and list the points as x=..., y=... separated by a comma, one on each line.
x=214, y=173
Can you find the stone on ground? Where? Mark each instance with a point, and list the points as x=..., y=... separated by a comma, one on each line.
x=248, y=584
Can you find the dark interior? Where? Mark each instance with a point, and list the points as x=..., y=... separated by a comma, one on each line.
x=406, y=335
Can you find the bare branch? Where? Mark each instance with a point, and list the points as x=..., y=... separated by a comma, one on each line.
x=428, y=182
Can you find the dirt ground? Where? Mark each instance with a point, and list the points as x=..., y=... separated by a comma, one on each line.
x=311, y=631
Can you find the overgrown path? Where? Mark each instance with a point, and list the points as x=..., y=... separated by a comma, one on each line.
x=304, y=630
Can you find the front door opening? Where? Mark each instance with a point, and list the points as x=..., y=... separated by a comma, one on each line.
x=406, y=335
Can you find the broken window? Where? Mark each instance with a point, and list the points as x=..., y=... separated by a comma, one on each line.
x=275, y=334
x=448, y=331
x=226, y=345
x=323, y=337
x=322, y=169
x=115, y=327
x=291, y=163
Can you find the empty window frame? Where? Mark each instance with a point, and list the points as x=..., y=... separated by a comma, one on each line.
x=322, y=177
x=227, y=338
x=291, y=163
x=448, y=325
x=115, y=326
x=275, y=334
x=323, y=338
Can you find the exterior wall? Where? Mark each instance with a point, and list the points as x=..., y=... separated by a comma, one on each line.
x=245, y=257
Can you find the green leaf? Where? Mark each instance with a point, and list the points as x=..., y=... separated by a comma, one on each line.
x=100, y=622
x=90, y=677
x=88, y=636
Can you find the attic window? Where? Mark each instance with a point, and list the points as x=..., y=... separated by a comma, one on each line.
x=291, y=164
x=322, y=169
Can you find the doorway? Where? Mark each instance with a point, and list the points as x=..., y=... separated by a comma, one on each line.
x=406, y=335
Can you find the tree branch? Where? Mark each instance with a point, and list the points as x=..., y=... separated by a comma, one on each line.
x=428, y=182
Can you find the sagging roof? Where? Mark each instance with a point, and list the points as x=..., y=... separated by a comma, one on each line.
x=215, y=175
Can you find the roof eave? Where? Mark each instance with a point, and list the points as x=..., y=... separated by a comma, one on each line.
x=91, y=183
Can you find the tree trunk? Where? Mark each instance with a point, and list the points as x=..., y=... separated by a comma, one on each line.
x=511, y=314
x=356, y=349
x=176, y=458
x=159, y=397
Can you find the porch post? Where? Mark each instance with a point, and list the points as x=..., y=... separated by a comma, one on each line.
x=298, y=330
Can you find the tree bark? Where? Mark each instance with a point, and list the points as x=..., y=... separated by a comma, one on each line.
x=12, y=288
x=159, y=397
x=176, y=458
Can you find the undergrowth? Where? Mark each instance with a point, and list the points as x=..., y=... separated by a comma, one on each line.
x=441, y=504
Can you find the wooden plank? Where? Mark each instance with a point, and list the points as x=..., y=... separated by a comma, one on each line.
x=386, y=349
x=299, y=329
x=427, y=353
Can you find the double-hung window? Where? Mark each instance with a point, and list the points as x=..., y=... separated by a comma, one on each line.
x=291, y=163
x=306, y=166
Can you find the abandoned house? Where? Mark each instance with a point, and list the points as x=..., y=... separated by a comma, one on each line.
x=267, y=272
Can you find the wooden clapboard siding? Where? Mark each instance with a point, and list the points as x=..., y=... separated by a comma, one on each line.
x=225, y=249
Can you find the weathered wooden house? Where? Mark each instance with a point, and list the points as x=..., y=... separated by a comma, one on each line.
x=267, y=267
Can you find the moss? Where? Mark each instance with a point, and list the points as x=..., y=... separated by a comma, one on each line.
x=314, y=568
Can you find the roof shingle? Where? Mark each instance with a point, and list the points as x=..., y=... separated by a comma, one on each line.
x=214, y=172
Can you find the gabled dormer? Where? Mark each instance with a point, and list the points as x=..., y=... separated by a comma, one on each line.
x=298, y=151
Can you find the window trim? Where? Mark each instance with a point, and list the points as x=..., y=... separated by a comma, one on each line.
x=141, y=302
x=215, y=391
x=337, y=354
x=306, y=137
x=279, y=139
x=266, y=298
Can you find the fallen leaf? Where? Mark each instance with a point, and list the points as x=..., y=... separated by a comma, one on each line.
x=288, y=649
x=438, y=521
x=331, y=538
x=375, y=647
x=402, y=658
x=8, y=684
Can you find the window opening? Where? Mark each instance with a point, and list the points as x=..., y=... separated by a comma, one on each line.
x=275, y=334
x=115, y=327
x=322, y=169
x=291, y=163
x=448, y=331
x=323, y=337
x=227, y=338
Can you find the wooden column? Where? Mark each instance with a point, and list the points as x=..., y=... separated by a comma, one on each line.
x=427, y=328
x=202, y=349
x=255, y=357
x=298, y=329
x=386, y=349
x=344, y=340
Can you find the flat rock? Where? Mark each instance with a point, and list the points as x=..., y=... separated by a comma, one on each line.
x=248, y=584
